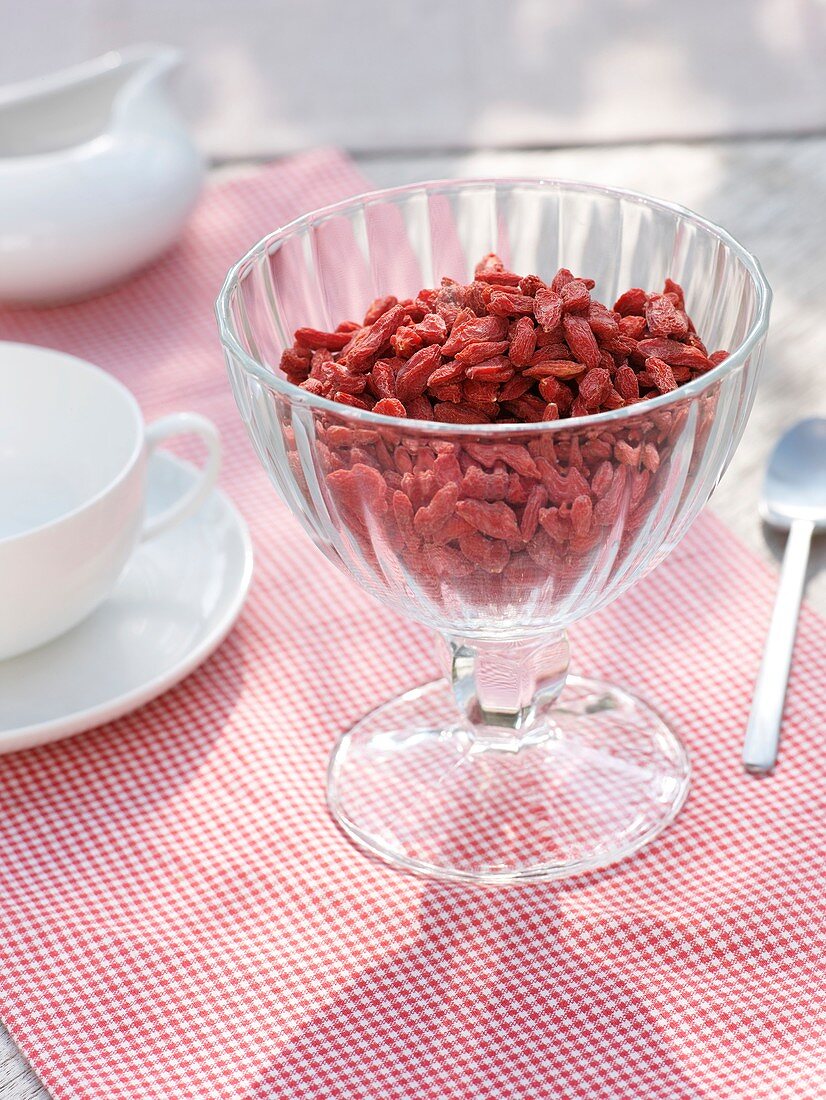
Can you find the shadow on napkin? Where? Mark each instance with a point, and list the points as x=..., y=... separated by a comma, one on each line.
x=475, y=999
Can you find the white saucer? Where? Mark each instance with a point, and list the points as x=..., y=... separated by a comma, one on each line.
x=174, y=604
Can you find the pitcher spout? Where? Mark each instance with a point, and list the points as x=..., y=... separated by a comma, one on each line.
x=147, y=62
x=66, y=109
x=145, y=70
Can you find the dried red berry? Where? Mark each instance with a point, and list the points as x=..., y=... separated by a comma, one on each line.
x=580, y=339
x=497, y=520
x=390, y=406
x=313, y=338
x=509, y=303
x=581, y=513
x=663, y=318
x=478, y=352
x=575, y=297
x=631, y=302
x=376, y=308
x=594, y=387
x=537, y=497
x=661, y=374
x=429, y=519
x=522, y=338
x=412, y=379
x=548, y=309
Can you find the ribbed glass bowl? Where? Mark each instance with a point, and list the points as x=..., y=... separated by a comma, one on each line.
x=508, y=769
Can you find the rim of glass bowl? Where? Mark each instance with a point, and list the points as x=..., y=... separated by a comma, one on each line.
x=686, y=391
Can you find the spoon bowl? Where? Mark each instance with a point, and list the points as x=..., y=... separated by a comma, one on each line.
x=795, y=483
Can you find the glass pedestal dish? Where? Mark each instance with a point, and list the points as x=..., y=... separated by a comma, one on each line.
x=509, y=769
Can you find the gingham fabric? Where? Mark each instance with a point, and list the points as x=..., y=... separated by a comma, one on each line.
x=181, y=919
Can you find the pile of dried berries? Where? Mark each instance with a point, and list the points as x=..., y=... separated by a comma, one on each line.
x=504, y=348
x=494, y=517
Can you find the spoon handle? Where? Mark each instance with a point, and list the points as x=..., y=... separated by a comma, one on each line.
x=763, y=729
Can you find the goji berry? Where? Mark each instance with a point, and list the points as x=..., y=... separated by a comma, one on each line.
x=661, y=374
x=420, y=408
x=607, y=508
x=351, y=400
x=530, y=284
x=368, y=342
x=497, y=369
x=480, y=485
x=537, y=498
x=430, y=518
x=412, y=379
x=650, y=457
x=547, y=309
x=492, y=555
x=314, y=338
x=447, y=468
x=480, y=392
x=514, y=455
x=631, y=302
x=580, y=339
x=663, y=318
x=497, y=519
x=382, y=378
x=594, y=386
x=674, y=353
x=376, y=308
x=445, y=413
x=632, y=326
x=478, y=352
x=360, y=487
x=448, y=372
x=503, y=303
x=561, y=279
x=390, y=406
x=581, y=512
x=448, y=391
x=626, y=454
x=529, y=409
x=575, y=296
x=449, y=562
x=470, y=329
x=554, y=368
x=522, y=337
x=514, y=389
x=403, y=514
x=453, y=530
x=626, y=383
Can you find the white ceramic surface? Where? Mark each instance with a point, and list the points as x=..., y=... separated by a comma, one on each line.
x=73, y=452
x=173, y=605
x=97, y=175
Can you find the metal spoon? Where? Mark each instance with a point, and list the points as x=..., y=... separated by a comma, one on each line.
x=794, y=499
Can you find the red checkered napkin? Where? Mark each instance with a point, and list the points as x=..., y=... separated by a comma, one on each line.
x=180, y=917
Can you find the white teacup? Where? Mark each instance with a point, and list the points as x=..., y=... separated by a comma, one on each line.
x=73, y=457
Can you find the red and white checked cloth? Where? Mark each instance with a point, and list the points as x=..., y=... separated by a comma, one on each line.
x=181, y=919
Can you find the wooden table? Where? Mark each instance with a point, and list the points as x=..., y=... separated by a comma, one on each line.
x=770, y=194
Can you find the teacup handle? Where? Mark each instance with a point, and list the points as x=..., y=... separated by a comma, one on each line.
x=184, y=423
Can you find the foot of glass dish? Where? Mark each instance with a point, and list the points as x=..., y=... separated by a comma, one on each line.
x=413, y=786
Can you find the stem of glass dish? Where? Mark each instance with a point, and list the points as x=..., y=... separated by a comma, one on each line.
x=505, y=688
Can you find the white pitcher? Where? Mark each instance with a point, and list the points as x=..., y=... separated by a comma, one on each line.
x=97, y=175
